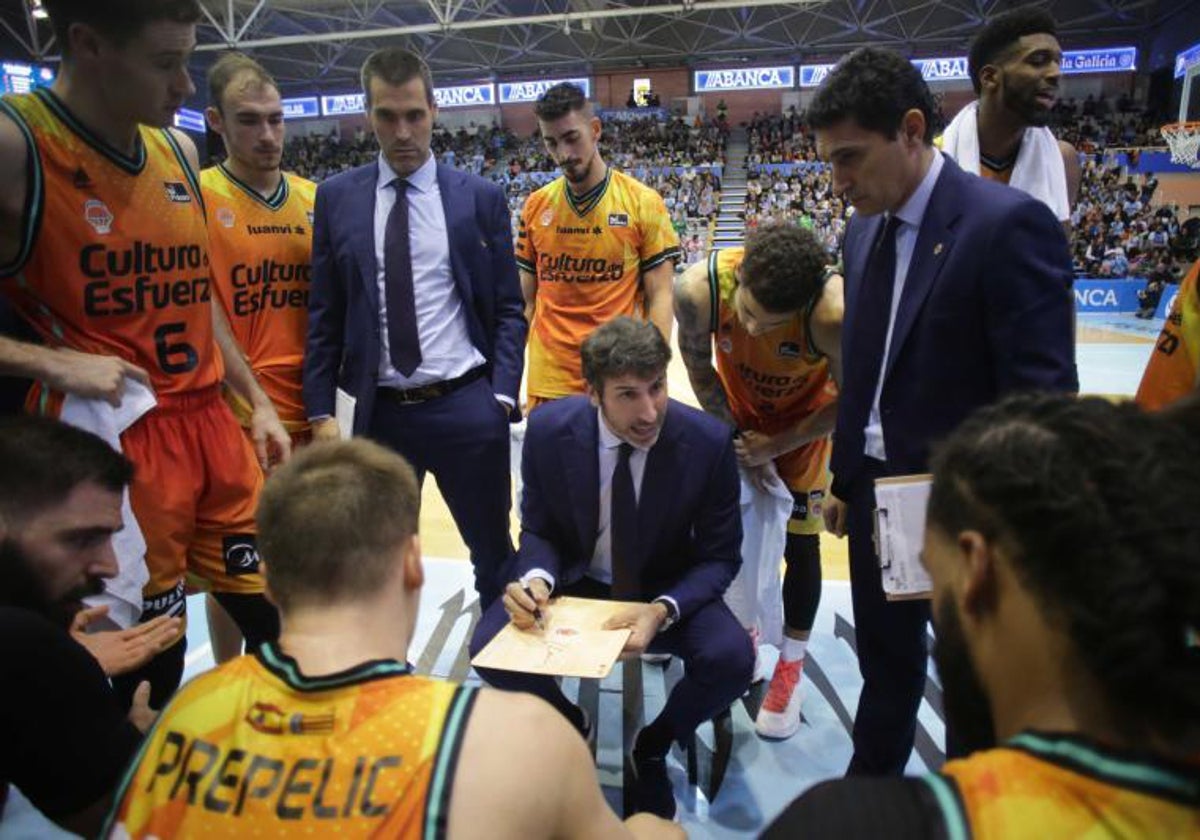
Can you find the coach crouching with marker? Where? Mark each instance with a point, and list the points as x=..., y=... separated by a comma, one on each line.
x=632, y=496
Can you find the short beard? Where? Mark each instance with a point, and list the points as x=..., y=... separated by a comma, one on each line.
x=23, y=588
x=968, y=710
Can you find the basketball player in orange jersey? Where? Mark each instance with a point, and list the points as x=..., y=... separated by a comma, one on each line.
x=260, y=248
x=329, y=731
x=1173, y=370
x=103, y=250
x=775, y=313
x=1015, y=66
x=591, y=245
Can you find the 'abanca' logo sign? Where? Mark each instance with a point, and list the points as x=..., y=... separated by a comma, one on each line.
x=749, y=78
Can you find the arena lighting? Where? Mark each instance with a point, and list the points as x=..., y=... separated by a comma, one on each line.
x=37, y=10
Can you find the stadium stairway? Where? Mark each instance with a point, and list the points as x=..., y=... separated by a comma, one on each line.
x=730, y=230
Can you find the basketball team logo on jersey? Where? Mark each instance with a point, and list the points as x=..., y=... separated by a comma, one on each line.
x=618, y=220
x=177, y=192
x=98, y=215
x=225, y=217
x=241, y=554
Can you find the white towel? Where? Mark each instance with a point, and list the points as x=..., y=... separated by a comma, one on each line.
x=123, y=593
x=755, y=596
x=1039, y=168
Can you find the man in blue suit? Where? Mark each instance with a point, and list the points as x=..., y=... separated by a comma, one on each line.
x=632, y=496
x=415, y=312
x=958, y=291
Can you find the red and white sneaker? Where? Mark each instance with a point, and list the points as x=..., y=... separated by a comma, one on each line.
x=779, y=716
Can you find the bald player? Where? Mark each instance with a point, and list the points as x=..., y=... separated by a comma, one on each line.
x=104, y=252
x=593, y=244
x=774, y=311
x=260, y=249
x=1015, y=65
x=329, y=732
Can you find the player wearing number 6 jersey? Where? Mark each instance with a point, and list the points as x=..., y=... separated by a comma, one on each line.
x=103, y=250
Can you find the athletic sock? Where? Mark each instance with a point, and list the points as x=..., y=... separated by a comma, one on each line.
x=793, y=649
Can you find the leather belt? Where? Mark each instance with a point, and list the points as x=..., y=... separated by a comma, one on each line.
x=425, y=393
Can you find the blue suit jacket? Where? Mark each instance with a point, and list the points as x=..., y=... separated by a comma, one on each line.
x=689, y=526
x=343, y=312
x=987, y=309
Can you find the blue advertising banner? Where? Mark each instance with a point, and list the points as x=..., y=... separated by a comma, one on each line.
x=1107, y=295
x=301, y=107
x=343, y=103
x=631, y=114
x=1114, y=60
x=511, y=92
x=744, y=78
x=482, y=95
x=954, y=69
x=1186, y=59
x=189, y=120
x=1166, y=301
x=19, y=77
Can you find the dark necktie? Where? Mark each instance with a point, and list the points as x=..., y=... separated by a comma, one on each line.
x=875, y=307
x=624, y=528
x=404, y=343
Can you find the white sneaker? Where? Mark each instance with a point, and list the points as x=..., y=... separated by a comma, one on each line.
x=779, y=716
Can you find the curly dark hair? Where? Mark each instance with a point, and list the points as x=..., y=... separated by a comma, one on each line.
x=560, y=100
x=1000, y=33
x=875, y=88
x=1097, y=503
x=784, y=267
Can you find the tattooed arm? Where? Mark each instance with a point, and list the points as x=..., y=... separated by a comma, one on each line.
x=693, y=311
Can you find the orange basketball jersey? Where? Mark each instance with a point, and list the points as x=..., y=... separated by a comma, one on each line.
x=255, y=748
x=261, y=251
x=1041, y=785
x=1174, y=367
x=114, y=257
x=771, y=380
x=588, y=253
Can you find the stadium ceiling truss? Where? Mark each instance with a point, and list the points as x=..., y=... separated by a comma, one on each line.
x=318, y=45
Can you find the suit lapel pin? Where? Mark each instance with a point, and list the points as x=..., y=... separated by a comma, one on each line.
x=937, y=249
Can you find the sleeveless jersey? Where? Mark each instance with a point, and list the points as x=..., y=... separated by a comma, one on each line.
x=1058, y=786
x=261, y=251
x=114, y=257
x=771, y=381
x=1174, y=366
x=255, y=748
x=588, y=254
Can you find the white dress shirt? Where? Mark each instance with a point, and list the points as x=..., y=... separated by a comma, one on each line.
x=910, y=216
x=446, y=347
x=600, y=568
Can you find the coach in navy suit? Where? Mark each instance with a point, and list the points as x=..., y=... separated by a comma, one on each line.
x=958, y=290
x=632, y=496
x=415, y=312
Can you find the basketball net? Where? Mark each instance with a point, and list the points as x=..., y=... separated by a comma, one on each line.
x=1184, y=140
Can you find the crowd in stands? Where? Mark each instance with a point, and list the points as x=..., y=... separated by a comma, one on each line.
x=1118, y=230
x=680, y=159
x=803, y=195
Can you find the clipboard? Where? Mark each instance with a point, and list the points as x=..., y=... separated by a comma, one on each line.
x=572, y=644
x=900, y=503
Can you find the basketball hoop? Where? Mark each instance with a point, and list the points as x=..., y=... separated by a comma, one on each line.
x=1184, y=140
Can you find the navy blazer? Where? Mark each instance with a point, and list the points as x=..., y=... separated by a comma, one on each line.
x=987, y=309
x=689, y=525
x=343, y=310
